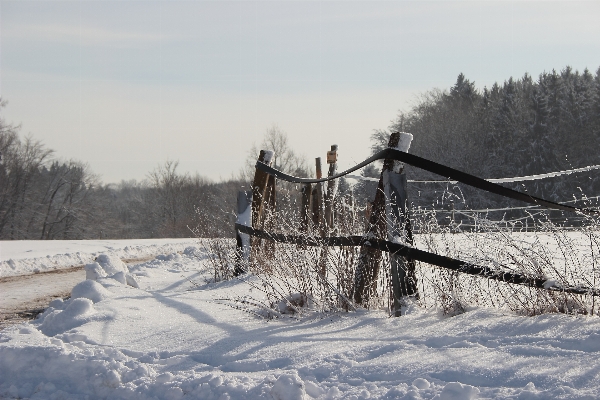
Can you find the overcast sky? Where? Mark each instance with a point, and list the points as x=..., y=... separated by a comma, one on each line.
x=126, y=85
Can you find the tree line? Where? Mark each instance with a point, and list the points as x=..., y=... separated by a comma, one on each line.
x=44, y=198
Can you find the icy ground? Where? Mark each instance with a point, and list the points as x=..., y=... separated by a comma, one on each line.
x=158, y=330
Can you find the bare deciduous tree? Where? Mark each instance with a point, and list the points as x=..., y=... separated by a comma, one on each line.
x=285, y=158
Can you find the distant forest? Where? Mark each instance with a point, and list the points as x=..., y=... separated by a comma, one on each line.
x=518, y=128
x=41, y=198
x=521, y=127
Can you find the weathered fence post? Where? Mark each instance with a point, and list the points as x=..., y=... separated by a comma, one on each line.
x=244, y=217
x=326, y=222
x=261, y=195
x=305, y=211
x=268, y=221
x=331, y=187
x=259, y=187
x=317, y=198
x=404, y=281
x=369, y=260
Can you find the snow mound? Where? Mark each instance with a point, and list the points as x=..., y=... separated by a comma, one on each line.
x=111, y=264
x=119, y=277
x=131, y=281
x=74, y=315
x=457, y=391
x=288, y=387
x=125, y=279
x=91, y=290
x=106, y=267
x=94, y=271
x=421, y=383
x=58, y=370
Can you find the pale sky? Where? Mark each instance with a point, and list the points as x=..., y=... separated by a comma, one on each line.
x=126, y=85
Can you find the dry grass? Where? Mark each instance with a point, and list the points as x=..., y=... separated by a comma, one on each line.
x=294, y=279
x=554, y=253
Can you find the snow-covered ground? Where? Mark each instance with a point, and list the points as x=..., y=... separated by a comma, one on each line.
x=159, y=330
x=21, y=257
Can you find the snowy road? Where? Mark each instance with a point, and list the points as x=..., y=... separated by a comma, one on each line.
x=24, y=296
x=33, y=272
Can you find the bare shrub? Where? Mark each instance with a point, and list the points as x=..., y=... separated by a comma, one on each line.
x=294, y=279
x=220, y=257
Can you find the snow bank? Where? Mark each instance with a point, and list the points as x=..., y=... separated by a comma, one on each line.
x=21, y=257
x=54, y=368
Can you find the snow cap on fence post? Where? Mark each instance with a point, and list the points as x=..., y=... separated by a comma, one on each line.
x=404, y=141
x=268, y=156
x=403, y=145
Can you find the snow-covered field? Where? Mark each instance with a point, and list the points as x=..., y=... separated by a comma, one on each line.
x=159, y=330
x=21, y=257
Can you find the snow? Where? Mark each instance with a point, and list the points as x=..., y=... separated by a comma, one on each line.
x=90, y=290
x=180, y=336
x=404, y=141
x=268, y=156
x=18, y=257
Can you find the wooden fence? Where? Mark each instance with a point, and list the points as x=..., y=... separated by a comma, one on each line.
x=388, y=229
